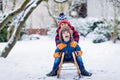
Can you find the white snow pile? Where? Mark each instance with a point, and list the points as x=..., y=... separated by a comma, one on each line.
x=30, y=37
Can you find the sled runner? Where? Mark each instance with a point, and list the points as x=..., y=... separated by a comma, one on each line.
x=75, y=63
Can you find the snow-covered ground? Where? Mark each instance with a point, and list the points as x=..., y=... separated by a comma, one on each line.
x=31, y=60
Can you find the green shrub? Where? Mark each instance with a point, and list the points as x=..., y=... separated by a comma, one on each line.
x=3, y=34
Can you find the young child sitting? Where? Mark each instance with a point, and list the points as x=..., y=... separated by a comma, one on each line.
x=67, y=46
x=62, y=23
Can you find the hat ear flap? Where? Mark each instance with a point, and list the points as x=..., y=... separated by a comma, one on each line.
x=71, y=35
x=65, y=29
x=60, y=35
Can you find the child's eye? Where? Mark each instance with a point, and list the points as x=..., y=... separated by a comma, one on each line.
x=67, y=32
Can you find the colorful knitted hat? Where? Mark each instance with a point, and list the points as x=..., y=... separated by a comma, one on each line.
x=62, y=19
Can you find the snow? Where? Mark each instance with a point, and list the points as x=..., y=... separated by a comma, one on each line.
x=33, y=59
x=60, y=0
x=31, y=5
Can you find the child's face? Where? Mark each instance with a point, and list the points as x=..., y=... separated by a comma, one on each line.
x=64, y=25
x=66, y=36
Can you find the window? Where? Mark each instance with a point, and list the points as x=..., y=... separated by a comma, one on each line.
x=80, y=7
x=83, y=10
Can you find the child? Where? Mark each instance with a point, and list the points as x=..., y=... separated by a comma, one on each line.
x=63, y=22
x=67, y=46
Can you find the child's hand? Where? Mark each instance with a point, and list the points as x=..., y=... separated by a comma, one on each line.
x=79, y=53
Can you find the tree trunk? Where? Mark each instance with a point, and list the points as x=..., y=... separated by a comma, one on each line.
x=1, y=5
x=20, y=23
x=10, y=31
x=54, y=19
x=6, y=18
x=115, y=33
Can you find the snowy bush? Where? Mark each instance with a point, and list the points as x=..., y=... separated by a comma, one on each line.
x=102, y=33
x=98, y=27
x=34, y=37
x=101, y=29
x=85, y=26
x=99, y=38
x=30, y=37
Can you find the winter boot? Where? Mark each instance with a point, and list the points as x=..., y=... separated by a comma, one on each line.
x=52, y=73
x=86, y=73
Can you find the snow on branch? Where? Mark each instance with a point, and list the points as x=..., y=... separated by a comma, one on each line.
x=60, y=1
x=6, y=17
x=18, y=26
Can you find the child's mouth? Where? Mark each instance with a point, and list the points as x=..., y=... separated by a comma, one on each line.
x=66, y=36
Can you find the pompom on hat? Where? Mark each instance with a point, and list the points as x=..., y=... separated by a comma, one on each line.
x=62, y=19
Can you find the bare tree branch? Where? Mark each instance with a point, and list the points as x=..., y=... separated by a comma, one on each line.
x=51, y=14
x=19, y=24
x=7, y=18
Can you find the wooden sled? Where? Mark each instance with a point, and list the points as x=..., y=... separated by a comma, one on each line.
x=75, y=63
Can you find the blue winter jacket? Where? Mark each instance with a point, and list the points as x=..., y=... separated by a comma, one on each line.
x=67, y=48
